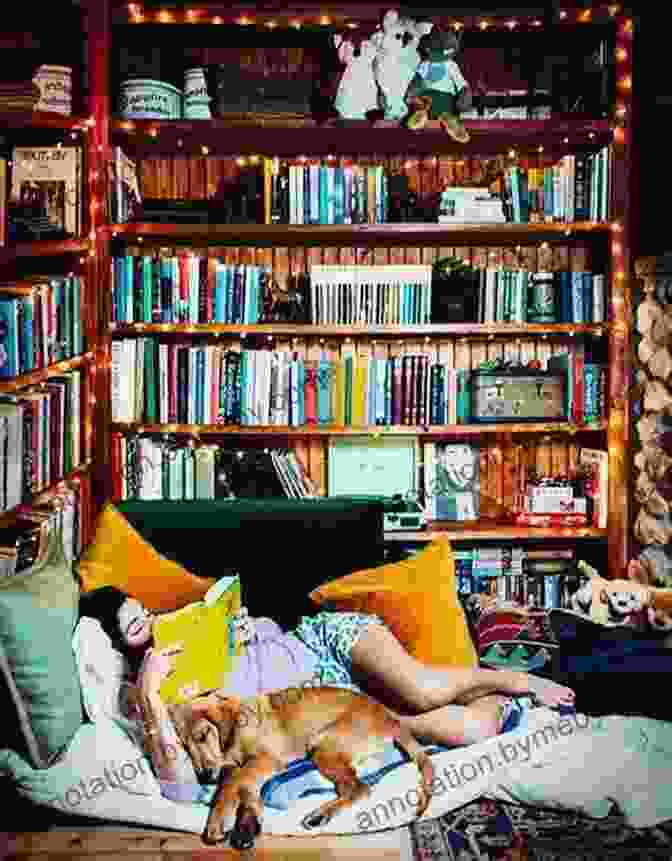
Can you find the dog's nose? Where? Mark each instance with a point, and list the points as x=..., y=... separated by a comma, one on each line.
x=208, y=775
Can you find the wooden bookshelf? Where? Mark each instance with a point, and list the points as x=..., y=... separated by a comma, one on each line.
x=532, y=428
x=416, y=234
x=183, y=159
x=303, y=135
x=492, y=532
x=488, y=330
x=35, y=120
x=42, y=375
x=43, y=248
x=25, y=263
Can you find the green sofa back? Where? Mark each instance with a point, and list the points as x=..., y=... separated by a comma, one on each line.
x=282, y=548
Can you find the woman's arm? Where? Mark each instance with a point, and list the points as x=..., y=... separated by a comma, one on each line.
x=171, y=762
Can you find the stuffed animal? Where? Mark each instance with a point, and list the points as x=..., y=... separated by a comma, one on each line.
x=357, y=92
x=643, y=571
x=439, y=87
x=397, y=59
x=608, y=602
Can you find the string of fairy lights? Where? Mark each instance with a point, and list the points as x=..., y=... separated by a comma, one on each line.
x=101, y=156
x=137, y=14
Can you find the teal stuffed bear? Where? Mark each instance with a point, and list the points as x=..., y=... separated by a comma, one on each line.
x=438, y=87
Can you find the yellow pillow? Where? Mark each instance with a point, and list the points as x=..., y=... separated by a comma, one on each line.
x=417, y=600
x=119, y=556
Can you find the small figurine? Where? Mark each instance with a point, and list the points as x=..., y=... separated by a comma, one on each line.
x=357, y=92
x=396, y=60
x=439, y=86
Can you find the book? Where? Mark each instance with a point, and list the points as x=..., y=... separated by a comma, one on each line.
x=596, y=462
x=55, y=175
x=452, y=481
x=210, y=646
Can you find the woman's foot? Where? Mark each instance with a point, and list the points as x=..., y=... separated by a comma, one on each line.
x=549, y=693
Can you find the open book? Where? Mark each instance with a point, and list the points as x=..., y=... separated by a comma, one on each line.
x=210, y=645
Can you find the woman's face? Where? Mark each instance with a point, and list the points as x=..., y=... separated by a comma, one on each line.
x=135, y=623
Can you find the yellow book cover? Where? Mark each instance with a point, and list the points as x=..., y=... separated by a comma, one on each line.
x=339, y=393
x=210, y=645
x=361, y=372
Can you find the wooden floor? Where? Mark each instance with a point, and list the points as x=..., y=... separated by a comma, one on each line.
x=137, y=844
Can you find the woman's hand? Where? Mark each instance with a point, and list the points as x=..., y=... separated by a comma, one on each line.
x=157, y=665
x=244, y=627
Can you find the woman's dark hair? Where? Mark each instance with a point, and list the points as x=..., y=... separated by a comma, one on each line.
x=103, y=604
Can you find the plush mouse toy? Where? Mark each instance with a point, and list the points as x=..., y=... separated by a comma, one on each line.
x=396, y=60
x=439, y=87
x=357, y=92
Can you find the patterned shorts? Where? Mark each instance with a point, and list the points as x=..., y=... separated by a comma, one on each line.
x=331, y=636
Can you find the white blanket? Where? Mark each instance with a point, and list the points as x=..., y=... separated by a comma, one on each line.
x=580, y=763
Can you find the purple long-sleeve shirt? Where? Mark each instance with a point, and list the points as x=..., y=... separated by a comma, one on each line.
x=272, y=660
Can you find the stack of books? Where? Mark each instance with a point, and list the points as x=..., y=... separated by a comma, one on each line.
x=543, y=578
x=475, y=205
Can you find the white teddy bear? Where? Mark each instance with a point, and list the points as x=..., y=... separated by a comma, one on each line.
x=357, y=91
x=397, y=59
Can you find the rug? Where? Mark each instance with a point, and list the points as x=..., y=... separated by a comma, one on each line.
x=498, y=831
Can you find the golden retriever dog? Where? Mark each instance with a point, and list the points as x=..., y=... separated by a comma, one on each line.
x=241, y=743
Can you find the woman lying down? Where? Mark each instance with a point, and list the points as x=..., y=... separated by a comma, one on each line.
x=440, y=705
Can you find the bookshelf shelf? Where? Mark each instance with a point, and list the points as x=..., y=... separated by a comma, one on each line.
x=75, y=474
x=43, y=374
x=42, y=120
x=496, y=330
x=366, y=430
x=360, y=234
x=240, y=134
x=45, y=248
x=493, y=532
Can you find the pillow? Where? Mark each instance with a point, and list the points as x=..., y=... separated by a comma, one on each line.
x=417, y=600
x=119, y=556
x=38, y=613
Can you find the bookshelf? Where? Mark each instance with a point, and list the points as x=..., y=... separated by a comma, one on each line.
x=35, y=267
x=186, y=159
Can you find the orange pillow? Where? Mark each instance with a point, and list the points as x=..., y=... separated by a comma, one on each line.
x=119, y=556
x=417, y=600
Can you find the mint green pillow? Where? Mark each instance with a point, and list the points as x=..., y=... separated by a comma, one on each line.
x=38, y=614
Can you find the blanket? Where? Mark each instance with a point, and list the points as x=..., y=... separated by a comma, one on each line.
x=568, y=762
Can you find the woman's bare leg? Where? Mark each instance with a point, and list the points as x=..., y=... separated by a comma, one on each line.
x=458, y=725
x=384, y=668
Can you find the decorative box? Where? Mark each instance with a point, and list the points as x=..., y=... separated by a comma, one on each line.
x=517, y=395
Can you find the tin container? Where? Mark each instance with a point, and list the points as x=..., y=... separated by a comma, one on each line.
x=145, y=99
x=55, y=85
x=196, y=98
x=517, y=396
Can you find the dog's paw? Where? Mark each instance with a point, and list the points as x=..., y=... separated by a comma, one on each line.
x=214, y=834
x=314, y=819
x=217, y=829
